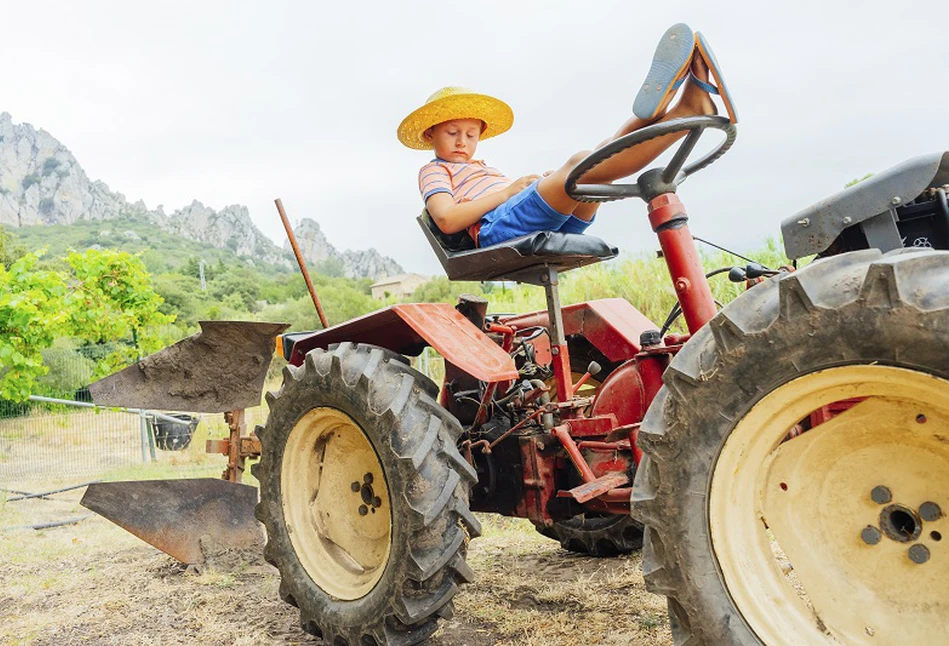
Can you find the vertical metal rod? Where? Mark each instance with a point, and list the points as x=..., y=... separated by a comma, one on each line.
x=143, y=427
x=300, y=262
x=151, y=440
x=558, y=342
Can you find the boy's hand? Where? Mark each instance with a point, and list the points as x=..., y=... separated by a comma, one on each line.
x=520, y=184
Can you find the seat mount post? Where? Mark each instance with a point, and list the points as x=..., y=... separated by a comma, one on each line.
x=558, y=342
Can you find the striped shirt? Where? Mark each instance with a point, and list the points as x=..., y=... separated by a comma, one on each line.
x=464, y=181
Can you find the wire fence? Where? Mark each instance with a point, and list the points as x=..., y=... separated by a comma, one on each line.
x=59, y=435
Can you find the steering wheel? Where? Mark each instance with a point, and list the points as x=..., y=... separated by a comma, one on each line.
x=654, y=181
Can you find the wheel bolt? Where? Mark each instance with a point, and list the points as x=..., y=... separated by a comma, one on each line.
x=367, y=478
x=930, y=511
x=871, y=535
x=377, y=502
x=881, y=495
x=363, y=510
x=918, y=554
x=355, y=487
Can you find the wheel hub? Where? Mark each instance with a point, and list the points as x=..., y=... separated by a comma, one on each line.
x=808, y=524
x=336, y=503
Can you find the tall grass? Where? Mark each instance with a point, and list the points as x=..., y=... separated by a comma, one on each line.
x=643, y=280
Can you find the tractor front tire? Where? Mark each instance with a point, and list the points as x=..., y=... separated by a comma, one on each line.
x=364, y=497
x=757, y=532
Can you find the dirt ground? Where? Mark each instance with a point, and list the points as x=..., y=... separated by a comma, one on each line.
x=91, y=582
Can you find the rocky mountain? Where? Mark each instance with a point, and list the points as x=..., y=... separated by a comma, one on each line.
x=317, y=249
x=42, y=183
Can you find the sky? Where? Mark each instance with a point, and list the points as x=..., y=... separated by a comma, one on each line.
x=241, y=103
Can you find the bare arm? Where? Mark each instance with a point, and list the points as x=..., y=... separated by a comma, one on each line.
x=452, y=218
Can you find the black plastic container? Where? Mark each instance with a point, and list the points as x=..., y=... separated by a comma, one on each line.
x=172, y=436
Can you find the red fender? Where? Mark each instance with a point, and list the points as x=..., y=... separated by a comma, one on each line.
x=612, y=325
x=409, y=327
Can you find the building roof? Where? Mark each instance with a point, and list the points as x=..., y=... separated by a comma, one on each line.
x=393, y=280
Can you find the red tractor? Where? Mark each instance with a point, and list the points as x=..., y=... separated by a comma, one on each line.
x=784, y=464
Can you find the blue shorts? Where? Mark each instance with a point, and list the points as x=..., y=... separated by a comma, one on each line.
x=525, y=213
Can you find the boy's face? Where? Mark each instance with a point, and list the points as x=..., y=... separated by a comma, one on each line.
x=456, y=140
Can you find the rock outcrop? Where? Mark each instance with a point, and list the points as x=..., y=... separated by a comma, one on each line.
x=316, y=249
x=42, y=183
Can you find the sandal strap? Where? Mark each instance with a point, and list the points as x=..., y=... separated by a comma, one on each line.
x=708, y=88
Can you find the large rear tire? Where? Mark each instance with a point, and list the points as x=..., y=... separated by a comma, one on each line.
x=757, y=533
x=364, y=497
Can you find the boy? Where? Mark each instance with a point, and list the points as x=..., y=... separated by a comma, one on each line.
x=461, y=193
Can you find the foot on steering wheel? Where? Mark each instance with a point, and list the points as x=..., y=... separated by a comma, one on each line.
x=670, y=67
x=703, y=50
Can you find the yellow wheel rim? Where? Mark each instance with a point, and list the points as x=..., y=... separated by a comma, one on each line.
x=810, y=547
x=336, y=503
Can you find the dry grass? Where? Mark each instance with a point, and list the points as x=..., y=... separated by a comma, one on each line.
x=94, y=583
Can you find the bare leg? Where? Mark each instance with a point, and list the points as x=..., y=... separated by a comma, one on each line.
x=694, y=102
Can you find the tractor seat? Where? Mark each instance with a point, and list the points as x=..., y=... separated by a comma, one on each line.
x=518, y=259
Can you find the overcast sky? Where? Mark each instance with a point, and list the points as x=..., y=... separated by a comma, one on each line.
x=229, y=102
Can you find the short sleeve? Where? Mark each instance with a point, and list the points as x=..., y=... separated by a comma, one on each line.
x=433, y=178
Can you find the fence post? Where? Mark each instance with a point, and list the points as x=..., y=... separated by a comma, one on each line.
x=143, y=423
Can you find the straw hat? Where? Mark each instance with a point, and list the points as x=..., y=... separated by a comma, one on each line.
x=455, y=103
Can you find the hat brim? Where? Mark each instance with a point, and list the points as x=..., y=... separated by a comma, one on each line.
x=496, y=114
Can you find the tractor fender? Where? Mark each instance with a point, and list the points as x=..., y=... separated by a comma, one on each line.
x=611, y=325
x=409, y=327
x=870, y=203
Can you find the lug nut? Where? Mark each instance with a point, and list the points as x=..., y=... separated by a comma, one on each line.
x=919, y=554
x=871, y=535
x=930, y=511
x=355, y=487
x=881, y=495
x=377, y=502
x=363, y=510
x=367, y=478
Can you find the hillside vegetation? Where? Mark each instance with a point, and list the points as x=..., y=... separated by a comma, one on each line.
x=235, y=289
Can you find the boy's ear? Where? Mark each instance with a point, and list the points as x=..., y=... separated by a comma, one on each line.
x=428, y=135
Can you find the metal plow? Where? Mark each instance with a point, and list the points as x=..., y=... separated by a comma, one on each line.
x=176, y=516
x=219, y=370
x=222, y=368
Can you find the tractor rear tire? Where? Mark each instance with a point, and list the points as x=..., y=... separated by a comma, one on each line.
x=364, y=497
x=597, y=535
x=834, y=535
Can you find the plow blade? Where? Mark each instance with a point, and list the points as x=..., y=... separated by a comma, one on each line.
x=221, y=368
x=174, y=515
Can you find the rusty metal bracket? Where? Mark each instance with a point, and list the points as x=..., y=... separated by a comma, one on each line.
x=594, y=488
x=238, y=446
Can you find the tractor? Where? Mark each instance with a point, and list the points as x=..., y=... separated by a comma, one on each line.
x=784, y=465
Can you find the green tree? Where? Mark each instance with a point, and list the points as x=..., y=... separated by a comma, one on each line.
x=9, y=249
x=33, y=312
x=103, y=296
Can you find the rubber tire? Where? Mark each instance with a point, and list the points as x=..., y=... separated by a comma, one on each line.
x=856, y=308
x=602, y=536
x=428, y=480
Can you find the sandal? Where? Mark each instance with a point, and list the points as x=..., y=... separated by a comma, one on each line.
x=702, y=49
x=670, y=68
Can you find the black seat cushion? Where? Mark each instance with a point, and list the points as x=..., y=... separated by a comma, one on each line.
x=460, y=241
x=522, y=259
